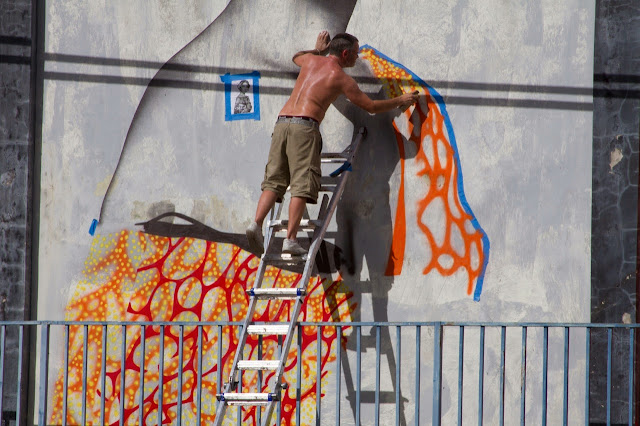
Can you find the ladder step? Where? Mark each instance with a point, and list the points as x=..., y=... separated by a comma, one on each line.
x=328, y=180
x=334, y=155
x=276, y=293
x=305, y=224
x=287, y=259
x=247, y=398
x=258, y=364
x=268, y=329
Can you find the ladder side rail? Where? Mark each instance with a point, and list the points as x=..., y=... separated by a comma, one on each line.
x=335, y=199
x=317, y=240
x=222, y=405
x=306, y=275
x=284, y=355
x=274, y=215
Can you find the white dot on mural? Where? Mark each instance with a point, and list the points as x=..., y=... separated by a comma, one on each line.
x=456, y=240
x=427, y=146
x=189, y=292
x=434, y=218
x=445, y=261
x=452, y=197
x=469, y=228
x=475, y=257
x=442, y=153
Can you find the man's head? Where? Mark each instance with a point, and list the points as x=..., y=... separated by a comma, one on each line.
x=345, y=46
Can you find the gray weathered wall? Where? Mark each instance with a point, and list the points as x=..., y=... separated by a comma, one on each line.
x=16, y=165
x=616, y=123
x=614, y=176
x=515, y=86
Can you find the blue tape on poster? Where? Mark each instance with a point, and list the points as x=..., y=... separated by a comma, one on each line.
x=92, y=228
x=241, y=96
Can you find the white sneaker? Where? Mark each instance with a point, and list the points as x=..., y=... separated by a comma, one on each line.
x=256, y=240
x=292, y=247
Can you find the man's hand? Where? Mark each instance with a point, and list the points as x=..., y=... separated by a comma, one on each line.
x=322, y=42
x=407, y=100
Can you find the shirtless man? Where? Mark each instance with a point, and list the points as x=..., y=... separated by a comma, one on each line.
x=294, y=156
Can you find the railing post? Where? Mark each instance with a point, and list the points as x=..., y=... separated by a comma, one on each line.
x=481, y=378
x=523, y=377
x=631, y=336
x=503, y=331
x=417, y=397
x=319, y=373
x=44, y=374
x=338, y=372
x=460, y=372
x=545, y=365
x=587, y=369
x=437, y=373
x=398, y=375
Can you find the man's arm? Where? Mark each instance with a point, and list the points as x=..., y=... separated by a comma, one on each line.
x=359, y=98
x=322, y=45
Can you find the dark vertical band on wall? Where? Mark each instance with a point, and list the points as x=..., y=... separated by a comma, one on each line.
x=636, y=364
x=615, y=284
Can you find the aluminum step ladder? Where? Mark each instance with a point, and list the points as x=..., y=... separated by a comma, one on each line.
x=234, y=395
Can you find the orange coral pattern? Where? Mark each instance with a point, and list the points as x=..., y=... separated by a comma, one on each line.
x=438, y=159
x=133, y=276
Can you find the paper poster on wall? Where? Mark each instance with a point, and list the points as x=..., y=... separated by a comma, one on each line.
x=242, y=96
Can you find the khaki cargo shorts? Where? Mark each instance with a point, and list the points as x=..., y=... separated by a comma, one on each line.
x=294, y=159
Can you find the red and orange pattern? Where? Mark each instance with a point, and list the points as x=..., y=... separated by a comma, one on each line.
x=133, y=276
x=439, y=166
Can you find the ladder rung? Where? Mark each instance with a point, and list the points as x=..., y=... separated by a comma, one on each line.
x=268, y=329
x=304, y=224
x=276, y=293
x=328, y=180
x=286, y=259
x=250, y=403
x=247, y=398
x=327, y=188
x=334, y=155
x=258, y=364
x=333, y=160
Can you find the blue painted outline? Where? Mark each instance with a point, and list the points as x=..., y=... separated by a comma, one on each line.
x=452, y=140
x=227, y=79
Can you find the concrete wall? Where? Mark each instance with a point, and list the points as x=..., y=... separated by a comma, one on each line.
x=506, y=101
x=16, y=168
x=616, y=125
x=491, y=102
x=515, y=82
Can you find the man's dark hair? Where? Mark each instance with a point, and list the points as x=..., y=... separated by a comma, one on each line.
x=341, y=42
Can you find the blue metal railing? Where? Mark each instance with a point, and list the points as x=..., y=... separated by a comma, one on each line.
x=516, y=369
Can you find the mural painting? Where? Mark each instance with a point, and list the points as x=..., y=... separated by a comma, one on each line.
x=165, y=148
x=134, y=276
x=465, y=245
x=162, y=275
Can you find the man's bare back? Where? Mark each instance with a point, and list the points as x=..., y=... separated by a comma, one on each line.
x=316, y=88
x=322, y=80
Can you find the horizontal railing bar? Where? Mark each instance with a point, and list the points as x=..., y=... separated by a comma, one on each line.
x=335, y=324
